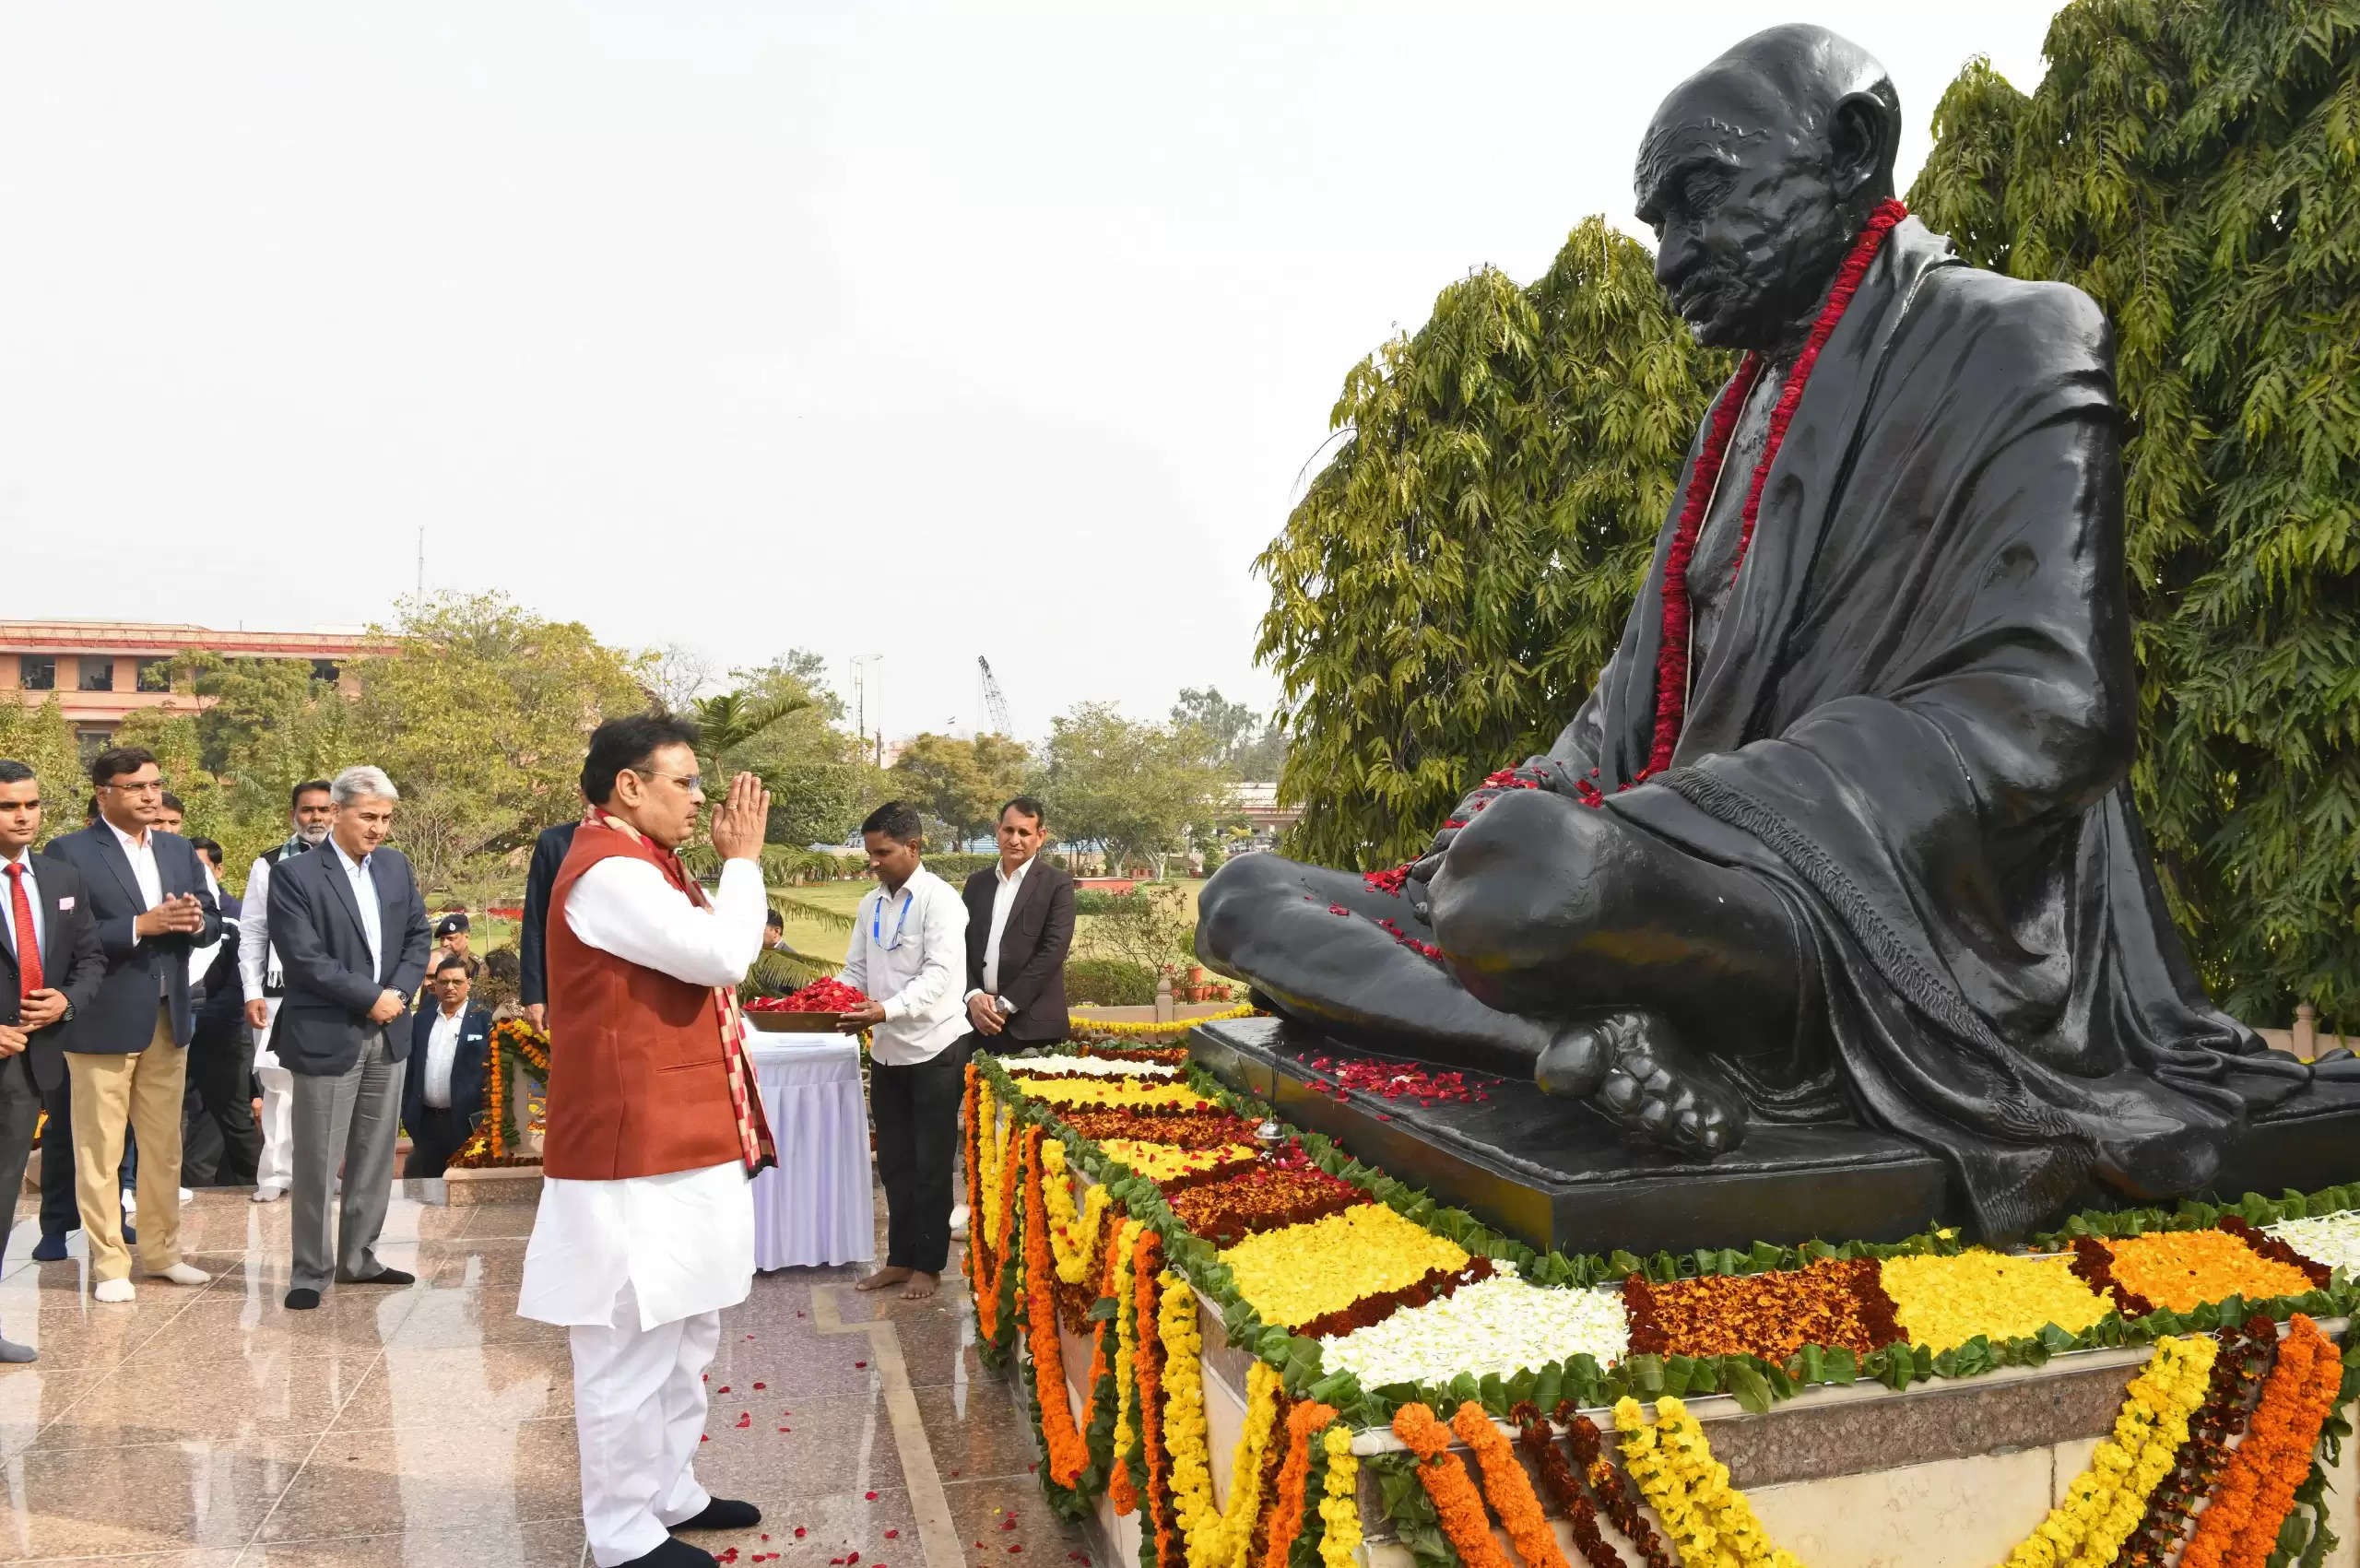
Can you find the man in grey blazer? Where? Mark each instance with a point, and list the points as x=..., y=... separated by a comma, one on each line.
x=351, y=929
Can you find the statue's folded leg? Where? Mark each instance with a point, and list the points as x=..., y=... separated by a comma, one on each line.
x=1319, y=944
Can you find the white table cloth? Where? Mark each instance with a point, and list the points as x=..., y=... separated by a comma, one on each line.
x=817, y=1205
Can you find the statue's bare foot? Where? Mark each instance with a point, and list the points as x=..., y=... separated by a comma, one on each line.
x=1629, y=1066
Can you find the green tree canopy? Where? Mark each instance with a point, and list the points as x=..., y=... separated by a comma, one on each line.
x=1236, y=736
x=1137, y=788
x=1447, y=592
x=2194, y=165
x=820, y=786
x=38, y=734
x=959, y=784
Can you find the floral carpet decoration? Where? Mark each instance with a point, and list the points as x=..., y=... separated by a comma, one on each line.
x=1133, y=1200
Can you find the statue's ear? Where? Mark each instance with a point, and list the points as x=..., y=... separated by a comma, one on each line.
x=1862, y=135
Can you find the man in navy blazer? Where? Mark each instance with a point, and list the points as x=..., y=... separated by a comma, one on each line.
x=45, y=913
x=126, y=1056
x=351, y=929
x=450, y=1051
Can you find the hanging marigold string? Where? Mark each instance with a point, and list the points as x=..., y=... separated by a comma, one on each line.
x=2239, y=1527
x=1457, y=1502
x=1508, y=1488
x=1289, y=1499
x=1068, y=1452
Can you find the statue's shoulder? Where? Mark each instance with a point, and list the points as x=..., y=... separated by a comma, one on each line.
x=2037, y=325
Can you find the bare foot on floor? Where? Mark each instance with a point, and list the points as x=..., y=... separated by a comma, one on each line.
x=921, y=1287
x=881, y=1278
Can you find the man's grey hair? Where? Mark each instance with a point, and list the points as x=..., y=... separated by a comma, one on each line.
x=354, y=783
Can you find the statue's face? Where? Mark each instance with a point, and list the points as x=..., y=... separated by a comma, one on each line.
x=1748, y=226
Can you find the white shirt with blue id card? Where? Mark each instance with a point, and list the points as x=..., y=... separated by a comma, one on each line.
x=909, y=951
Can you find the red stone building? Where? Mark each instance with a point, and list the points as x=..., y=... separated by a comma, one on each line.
x=102, y=669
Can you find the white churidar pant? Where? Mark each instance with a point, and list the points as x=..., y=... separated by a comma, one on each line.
x=275, y=1166
x=639, y=1408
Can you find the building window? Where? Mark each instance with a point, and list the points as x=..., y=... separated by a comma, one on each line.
x=155, y=675
x=98, y=673
x=327, y=670
x=37, y=672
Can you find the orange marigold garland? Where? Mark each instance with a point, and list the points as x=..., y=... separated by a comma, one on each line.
x=1287, y=1503
x=1146, y=1353
x=1508, y=1488
x=2246, y=1353
x=1068, y=1454
x=2239, y=1527
x=1457, y=1502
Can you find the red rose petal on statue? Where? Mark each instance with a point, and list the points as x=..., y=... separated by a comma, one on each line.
x=893, y=1535
x=760, y=1386
x=853, y=1558
x=860, y=1364
x=1015, y=1547
x=798, y=1532
x=1008, y=1523
x=870, y=1496
x=723, y=1389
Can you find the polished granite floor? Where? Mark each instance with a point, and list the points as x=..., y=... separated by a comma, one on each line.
x=207, y=1427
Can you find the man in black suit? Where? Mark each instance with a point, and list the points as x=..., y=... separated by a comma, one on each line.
x=351, y=929
x=1020, y=927
x=219, y=1143
x=549, y=851
x=126, y=1053
x=50, y=966
x=450, y=1052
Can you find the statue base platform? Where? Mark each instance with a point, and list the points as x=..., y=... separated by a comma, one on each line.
x=1557, y=1176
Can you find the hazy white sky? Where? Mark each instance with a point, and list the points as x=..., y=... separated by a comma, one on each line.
x=914, y=330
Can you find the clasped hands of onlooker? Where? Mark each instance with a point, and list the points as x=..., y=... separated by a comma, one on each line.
x=982, y=1012
x=176, y=916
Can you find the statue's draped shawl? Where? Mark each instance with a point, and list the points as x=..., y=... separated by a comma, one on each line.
x=1917, y=718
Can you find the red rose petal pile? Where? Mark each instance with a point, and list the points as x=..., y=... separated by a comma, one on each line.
x=825, y=994
x=1399, y=1080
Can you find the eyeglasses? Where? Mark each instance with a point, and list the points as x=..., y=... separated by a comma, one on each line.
x=149, y=786
x=693, y=782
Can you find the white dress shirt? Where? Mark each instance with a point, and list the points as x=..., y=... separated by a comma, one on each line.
x=141, y=853
x=372, y=919
x=441, y=1051
x=8, y=909
x=909, y=950
x=683, y=1242
x=1003, y=901
x=201, y=959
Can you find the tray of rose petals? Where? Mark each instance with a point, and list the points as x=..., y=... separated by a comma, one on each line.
x=813, y=1009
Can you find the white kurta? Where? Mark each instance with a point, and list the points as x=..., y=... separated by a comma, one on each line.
x=682, y=1242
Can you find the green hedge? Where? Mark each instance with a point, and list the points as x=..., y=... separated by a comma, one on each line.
x=1109, y=983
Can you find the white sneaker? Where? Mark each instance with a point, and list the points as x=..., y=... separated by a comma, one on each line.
x=130, y=1204
x=187, y=1196
x=959, y=1222
x=111, y=1290
x=269, y=1194
x=182, y=1273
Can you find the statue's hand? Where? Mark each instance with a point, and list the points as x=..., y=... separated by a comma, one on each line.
x=1540, y=772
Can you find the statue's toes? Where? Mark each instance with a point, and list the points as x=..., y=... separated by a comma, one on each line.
x=1574, y=1065
x=1709, y=1127
x=1620, y=1096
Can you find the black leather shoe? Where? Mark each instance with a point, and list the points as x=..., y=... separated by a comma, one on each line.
x=383, y=1276
x=723, y=1513
x=50, y=1249
x=303, y=1298
x=673, y=1554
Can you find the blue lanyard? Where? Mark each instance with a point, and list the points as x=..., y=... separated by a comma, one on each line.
x=877, y=921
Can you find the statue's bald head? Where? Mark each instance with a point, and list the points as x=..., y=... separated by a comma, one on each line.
x=1756, y=173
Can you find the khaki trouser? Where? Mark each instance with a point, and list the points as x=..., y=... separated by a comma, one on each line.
x=140, y=1091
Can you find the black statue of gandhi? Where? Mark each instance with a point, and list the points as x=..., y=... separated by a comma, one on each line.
x=1844, y=828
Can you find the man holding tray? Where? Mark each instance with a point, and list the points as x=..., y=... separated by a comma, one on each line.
x=647, y=1225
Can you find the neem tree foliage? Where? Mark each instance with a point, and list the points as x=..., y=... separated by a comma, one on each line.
x=2195, y=166
x=1456, y=576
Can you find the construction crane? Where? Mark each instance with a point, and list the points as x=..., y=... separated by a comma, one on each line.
x=995, y=699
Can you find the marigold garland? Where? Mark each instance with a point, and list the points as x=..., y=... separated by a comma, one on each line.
x=1073, y=1237
x=2246, y=1353
x=1227, y=1538
x=1457, y=1502
x=1508, y=1488
x=1289, y=1499
x=1708, y=1520
x=1121, y=1257
x=2239, y=1527
x=2105, y=1502
x=1590, y=1448
x=1557, y=1479
x=1339, y=1504
x=1184, y=1435
x=1147, y=1355
x=1068, y=1452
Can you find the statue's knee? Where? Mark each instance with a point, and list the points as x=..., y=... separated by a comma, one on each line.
x=1518, y=881
x=1228, y=902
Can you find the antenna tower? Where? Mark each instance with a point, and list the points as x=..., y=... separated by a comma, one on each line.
x=866, y=674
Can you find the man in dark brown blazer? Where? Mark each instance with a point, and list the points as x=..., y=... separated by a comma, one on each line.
x=1020, y=927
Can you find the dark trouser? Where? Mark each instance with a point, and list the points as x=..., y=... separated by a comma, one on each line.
x=916, y=1111
x=219, y=1143
x=434, y=1137
x=61, y=1212
x=19, y=1109
x=346, y=1121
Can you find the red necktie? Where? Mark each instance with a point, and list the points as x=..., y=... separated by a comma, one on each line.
x=28, y=944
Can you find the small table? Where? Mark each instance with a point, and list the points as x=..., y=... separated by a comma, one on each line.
x=817, y=1205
